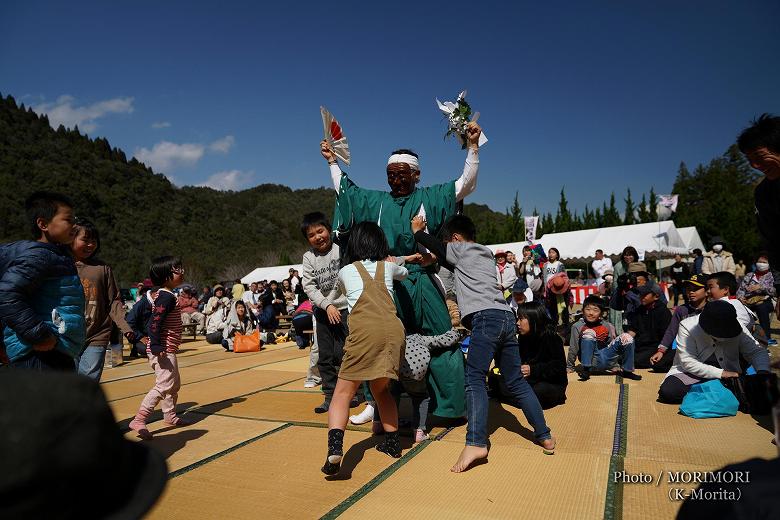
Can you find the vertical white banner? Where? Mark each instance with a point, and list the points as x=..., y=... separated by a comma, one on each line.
x=530, y=227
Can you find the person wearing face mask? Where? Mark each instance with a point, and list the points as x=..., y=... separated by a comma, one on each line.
x=717, y=259
x=757, y=292
x=709, y=346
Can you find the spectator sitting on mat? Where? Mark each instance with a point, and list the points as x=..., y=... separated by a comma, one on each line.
x=541, y=351
x=757, y=291
x=216, y=311
x=240, y=321
x=648, y=324
x=599, y=346
x=709, y=346
x=189, y=310
x=697, y=298
x=723, y=286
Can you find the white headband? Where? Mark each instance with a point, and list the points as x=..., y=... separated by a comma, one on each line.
x=411, y=160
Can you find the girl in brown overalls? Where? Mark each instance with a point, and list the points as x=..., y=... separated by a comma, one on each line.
x=374, y=347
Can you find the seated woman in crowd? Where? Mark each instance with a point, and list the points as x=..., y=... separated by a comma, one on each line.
x=216, y=311
x=541, y=352
x=757, y=291
x=289, y=296
x=239, y=321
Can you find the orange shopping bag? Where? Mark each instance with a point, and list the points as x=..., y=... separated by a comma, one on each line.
x=246, y=343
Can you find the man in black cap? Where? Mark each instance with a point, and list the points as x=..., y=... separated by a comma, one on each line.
x=63, y=455
x=708, y=347
x=647, y=323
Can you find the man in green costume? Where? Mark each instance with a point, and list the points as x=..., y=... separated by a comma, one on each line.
x=419, y=302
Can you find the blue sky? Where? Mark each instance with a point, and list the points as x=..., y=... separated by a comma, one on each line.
x=593, y=96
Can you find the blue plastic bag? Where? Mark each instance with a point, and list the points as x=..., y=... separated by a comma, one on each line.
x=709, y=399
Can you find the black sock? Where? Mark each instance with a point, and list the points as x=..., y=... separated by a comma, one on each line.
x=335, y=452
x=585, y=374
x=390, y=445
x=335, y=442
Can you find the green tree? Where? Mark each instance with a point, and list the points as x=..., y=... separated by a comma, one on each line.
x=717, y=198
x=628, y=216
x=653, y=204
x=611, y=214
x=644, y=213
x=514, y=229
x=563, y=219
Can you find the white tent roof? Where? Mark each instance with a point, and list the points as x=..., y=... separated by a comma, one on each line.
x=691, y=238
x=652, y=238
x=278, y=273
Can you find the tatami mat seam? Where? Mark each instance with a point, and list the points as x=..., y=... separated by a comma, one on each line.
x=613, y=503
x=374, y=482
x=222, y=453
x=217, y=377
x=195, y=408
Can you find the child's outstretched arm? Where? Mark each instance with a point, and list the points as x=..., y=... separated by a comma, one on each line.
x=435, y=246
x=162, y=306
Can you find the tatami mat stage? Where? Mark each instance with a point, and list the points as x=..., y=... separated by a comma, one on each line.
x=255, y=448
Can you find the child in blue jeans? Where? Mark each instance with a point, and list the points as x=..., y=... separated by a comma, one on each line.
x=493, y=334
x=598, y=344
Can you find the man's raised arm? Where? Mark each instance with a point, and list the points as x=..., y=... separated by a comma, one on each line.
x=467, y=182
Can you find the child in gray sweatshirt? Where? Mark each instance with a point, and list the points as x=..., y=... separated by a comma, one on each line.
x=320, y=283
x=493, y=334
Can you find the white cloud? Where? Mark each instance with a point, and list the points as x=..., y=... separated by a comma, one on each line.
x=65, y=112
x=166, y=156
x=161, y=124
x=223, y=145
x=229, y=180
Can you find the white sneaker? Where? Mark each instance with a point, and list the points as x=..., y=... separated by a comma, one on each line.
x=311, y=384
x=365, y=416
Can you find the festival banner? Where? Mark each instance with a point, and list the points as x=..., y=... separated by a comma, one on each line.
x=530, y=227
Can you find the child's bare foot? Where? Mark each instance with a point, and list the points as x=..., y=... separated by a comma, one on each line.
x=468, y=456
x=548, y=446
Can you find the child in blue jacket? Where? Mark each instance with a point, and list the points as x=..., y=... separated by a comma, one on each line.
x=42, y=309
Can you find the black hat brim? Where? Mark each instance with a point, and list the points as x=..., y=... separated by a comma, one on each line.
x=144, y=477
x=721, y=328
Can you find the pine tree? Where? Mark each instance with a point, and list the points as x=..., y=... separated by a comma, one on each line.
x=514, y=229
x=563, y=220
x=644, y=214
x=611, y=214
x=653, y=204
x=628, y=216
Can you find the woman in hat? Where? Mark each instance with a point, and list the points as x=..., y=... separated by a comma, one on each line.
x=559, y=300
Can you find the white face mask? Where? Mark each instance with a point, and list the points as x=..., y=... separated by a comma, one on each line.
x=762, y=266
x=717, y=248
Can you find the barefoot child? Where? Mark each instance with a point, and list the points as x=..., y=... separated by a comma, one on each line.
x=164, y=340
x=493, y=335
x=374, y=347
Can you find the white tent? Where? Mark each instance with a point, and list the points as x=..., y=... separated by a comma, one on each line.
x=691, y=238
x=278, y=273
x=653, y=238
